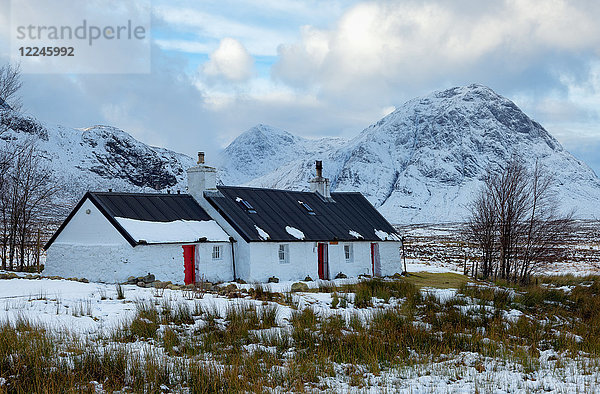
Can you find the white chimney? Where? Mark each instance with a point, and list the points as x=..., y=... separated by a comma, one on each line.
x=319, y=184
x=201, y=178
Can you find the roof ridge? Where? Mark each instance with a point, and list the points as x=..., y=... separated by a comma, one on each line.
x=140, y=194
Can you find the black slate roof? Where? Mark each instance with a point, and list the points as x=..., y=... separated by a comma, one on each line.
x=275, y=209
x=153, y=207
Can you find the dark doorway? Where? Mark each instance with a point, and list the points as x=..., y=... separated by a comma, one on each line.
x=375, y=261
x=189, y=263
x=323, y=261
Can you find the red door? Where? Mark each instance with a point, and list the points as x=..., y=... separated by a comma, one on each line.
x=323, y=261
x=375, y=262
x=189, y=253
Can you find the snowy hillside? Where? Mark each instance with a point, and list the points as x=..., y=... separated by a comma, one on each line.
x=263, y=149
x=422, y=162
x=99, y=157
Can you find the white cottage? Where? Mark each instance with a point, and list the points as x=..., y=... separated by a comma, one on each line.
x=111, y=236
x=222, y=233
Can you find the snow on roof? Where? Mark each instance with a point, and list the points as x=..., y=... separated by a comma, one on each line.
x=262, y=233
x=294, y=232
x=386, y=236
x=175, y=231
x=355, y=234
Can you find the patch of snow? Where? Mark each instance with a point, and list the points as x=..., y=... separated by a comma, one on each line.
x=355, y=234
x=262, y=233
x=513, y=315
x=176, y=231
x=254, y=347
x=386, y=236
x=443, y=295
x=423, y=267
x=294, y=232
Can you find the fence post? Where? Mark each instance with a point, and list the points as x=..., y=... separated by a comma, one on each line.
x=37, y=250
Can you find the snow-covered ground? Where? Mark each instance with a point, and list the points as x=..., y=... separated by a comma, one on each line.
x=92, y=310
x=442, y=248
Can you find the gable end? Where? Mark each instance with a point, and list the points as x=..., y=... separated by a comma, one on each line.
x=102, y=210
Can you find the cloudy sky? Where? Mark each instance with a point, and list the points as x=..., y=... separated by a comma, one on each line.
x=331, y=68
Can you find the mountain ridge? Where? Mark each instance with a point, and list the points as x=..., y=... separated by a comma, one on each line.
x=421, y=163
x=424, y=161
x=98, y=157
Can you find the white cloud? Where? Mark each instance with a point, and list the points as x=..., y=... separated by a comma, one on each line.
x=183, y=46
x=339, y=67
x=230, y=61
x=260, y=40
x=377, y=47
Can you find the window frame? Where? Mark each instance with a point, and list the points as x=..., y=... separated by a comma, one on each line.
x=285, y=249
x=219, y=252
x=349, y=256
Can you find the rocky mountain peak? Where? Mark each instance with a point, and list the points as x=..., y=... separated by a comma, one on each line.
x=424, y=161
x=98, y=157
x=421, y=163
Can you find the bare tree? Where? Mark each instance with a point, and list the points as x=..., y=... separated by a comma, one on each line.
x=509, y=195
x=545, y=228
x=26, y=197
x=515, y=222
x=481, y=229
x=10, y=84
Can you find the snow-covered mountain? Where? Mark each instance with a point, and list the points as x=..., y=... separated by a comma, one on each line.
x=98, y=158
x=421, y=163
x=264, y=150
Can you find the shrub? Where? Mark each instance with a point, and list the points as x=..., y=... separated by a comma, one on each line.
x=120, y=292
x=170, y=340
x=182, y=314
x=268, y=315
x=335, y=300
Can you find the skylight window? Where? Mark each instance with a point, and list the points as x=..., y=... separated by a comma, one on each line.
x=307, y=207
x=246, y=205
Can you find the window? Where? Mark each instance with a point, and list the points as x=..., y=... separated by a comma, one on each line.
x=307, y=207
x=284, y=254
x=246, y=205
x=217, y=252
x=348, y=253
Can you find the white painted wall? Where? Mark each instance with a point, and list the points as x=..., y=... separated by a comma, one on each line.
x=359, y=264
x=303, y=260
x=241, y=247
x=213, y=270
x=265, y=261
x=115, y=263
x=92, y=228
x=390, y=255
